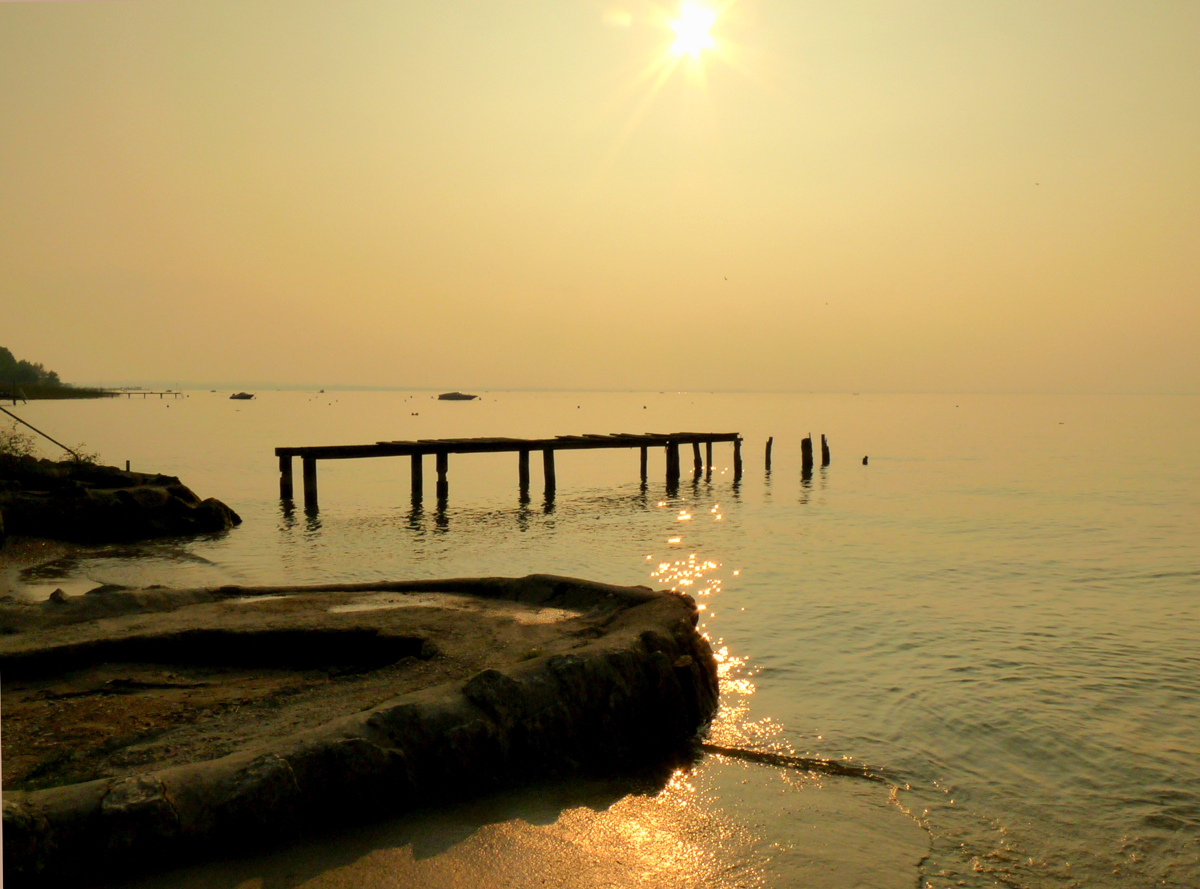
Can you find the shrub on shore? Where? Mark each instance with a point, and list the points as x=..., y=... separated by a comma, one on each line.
x=16, y=443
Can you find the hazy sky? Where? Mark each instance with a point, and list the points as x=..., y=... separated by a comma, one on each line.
x=870, y=196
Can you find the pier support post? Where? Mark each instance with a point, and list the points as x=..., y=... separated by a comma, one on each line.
x=285, y=477
x=697, y=463
x=708, y=457
x=523, y=471
x=645, y=460
x=806, y=456
x=824, y=450
x=672, y=462
x=310, y=482
x=770, y=441
x=548, y=471
x=443, y=484
x=737, y=459
x=418, y=477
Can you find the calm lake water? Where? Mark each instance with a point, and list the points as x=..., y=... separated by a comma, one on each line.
x=1002, y=609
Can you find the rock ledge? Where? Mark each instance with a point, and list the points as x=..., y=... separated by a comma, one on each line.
x=625, y=681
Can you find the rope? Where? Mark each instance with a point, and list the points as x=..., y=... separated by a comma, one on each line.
x=42, y=434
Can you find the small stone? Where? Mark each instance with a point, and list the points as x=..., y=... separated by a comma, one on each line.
x=58, y=596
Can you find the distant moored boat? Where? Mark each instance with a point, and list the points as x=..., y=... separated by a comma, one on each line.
x=456, y=396
x=242, y=396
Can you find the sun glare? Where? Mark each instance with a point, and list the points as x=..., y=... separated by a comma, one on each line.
x=691, y=30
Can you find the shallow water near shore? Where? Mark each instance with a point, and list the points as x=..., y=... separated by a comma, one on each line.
x=1001, y=610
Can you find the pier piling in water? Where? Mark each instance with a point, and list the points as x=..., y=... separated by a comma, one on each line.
x=824, y=450
x=418, y=477
x=672, y=462
x=548, y=470
x=443, y=468
x=770, y=441
x=523, y=470
x=441, y=448
x=310, y=482
x=285, y=477
x=806, y=455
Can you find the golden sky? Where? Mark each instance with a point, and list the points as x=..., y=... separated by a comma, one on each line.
x=850, y=196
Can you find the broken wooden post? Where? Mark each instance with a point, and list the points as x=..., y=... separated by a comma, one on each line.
x=418, y=477
x=697, y=463
x=824, y=450
x=523, y=470
x=770, y=441
x=548, y=470
x=806, y=455
x=285, y=477
x=310, y=482
x=864, y=461
x=443, y=467
x=644, y=461
x=737, y=459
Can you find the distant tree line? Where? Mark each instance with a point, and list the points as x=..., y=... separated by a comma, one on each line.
x=25, y=373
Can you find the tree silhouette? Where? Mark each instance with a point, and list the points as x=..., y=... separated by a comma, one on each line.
x=24, y=373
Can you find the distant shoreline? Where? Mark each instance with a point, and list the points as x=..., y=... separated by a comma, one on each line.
x=49, y=393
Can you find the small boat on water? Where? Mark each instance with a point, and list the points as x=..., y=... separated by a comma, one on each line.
x=241, y=396
x=456, y=396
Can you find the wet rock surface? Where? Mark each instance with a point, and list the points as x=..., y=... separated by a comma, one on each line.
x=247, y=730
x=88, y=503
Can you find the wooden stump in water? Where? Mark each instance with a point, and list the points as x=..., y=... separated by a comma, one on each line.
x=806, y=455
x=824, y=451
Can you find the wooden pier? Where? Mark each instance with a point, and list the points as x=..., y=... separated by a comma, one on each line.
x=442, y=448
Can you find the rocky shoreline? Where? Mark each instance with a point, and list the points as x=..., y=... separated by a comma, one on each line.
x=88, y=503
x=577, y=678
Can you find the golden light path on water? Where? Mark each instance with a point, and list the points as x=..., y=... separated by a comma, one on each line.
x=717, y=822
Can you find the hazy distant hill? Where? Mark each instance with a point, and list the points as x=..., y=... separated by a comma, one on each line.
x=24, y=373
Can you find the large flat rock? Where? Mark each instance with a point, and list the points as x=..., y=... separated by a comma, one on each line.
x=149, y=725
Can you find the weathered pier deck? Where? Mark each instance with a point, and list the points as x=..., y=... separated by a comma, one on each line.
x=442, y=448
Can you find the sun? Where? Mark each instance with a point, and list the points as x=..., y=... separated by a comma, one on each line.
x=691, y=30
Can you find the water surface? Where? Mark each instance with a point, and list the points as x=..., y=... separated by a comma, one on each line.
x=1001, y=609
